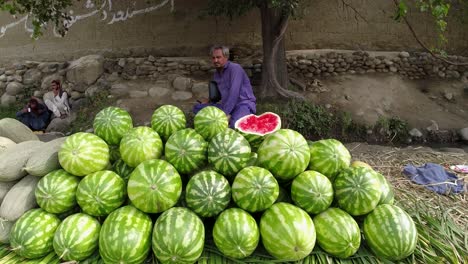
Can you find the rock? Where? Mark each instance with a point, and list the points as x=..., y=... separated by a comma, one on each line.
x=433, y=127
x=393, y=69
x=38, y=93
x=158, y=92
x=47, y=81
x=138, y=94
x=92, y=90
x=3, y=85
x=7, y=100
x=32, y=76
x=3, y=78
x=74, y=95
x=61, y=125
x=181, y=95
x=145, y=69
x=464, y=133
x=200, y=90
x=119, y=89
x=14, y=88
x=77, y=104
x=85, y=71
x=448, y=95
x=46, y=137
x=404, y=54
x=182, y=83
x=151, y=58
x=48, y=67
x=415, y=133
x=113, y=77
x=9, y=72
x=18, y=78
x=122, y=62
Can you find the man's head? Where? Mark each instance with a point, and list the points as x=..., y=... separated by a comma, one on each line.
x=56, y=86
x=33, y=104
x=219, y=56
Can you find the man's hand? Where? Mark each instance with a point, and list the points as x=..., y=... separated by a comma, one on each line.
x=203, y=101
x=63, y=116
x=229, y=117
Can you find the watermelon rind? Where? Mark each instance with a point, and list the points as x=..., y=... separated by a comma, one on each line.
x=312, y=191
x=111, y=124
x=166, y=120
x=256, y=127
x=210, y=121
x=329, y=157
x=140, y=144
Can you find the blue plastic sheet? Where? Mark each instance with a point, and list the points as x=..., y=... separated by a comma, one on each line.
x=435, y=178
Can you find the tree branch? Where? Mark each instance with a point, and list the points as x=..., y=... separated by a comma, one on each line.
x=424, y=46
x=356, y=12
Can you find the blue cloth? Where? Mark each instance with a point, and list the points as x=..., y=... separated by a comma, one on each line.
x=35, y=121
x=432, y=176
x=235, y=88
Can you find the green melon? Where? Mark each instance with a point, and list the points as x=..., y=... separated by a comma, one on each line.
x=312, y=191
x=210, y=121
x=100, y=193
x=178, y=236
x=83, y=153
x=168, y=119
x=114, y=153
x=287, y=232
x=32, y=235
x=140, y=144
x=390, y=232
x=125, y=236
x=122, y=169
x=357, y=190
x=111, y=124
x=337, y=232
x=388, y=196
x=154, y=186
x=77, y=237
x=208, y=193
x=186, y=151
x=329, y=157
x=284, y=153
x=229, y=152
x=236, y=233
x=254, y=189
x=56, y=191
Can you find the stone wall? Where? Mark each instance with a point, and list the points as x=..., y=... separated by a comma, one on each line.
x=173, y=28
x=185, y=78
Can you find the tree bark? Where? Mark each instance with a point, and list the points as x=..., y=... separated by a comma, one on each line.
x=275, y=78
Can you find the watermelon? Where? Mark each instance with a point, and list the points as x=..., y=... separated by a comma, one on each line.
x=228, y=152
x=55, y=192
x=125, y=236
x=178, y=236
x=114, y=153
x=312, y=191
x=32, y=235
x=329, y=157
x=207, y=193
x=337, y=232
x=210, y=121
x=357, y=190
x=111, y=124
x=100, y=193
x=83, y=153
x=284, y=153
x=166, y=120
x=254, y=127
x=186, y=151
x=255, y=189
x=154, y=186
x=390, y=232
x=140, y=144
x=122, y=169
x=388, y=196
x=287, y=232
x=236, y=233
x=77, y=237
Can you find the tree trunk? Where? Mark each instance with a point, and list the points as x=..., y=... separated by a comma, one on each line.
x=275, y=78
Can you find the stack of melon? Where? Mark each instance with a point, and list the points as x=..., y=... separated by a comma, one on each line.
x=127, y=192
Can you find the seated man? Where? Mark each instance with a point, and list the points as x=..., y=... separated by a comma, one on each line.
x=237, y=98
x=57, y=101
x=34, y=115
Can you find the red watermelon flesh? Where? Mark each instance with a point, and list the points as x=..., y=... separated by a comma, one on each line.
x=261, y=125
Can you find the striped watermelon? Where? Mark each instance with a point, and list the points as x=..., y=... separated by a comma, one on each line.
x=125, y=236
x=357, y=190
x=154, y=186
x=111, y=124
x=122, y=169
x=312, y=191
x=388, y=196
x=140, y=144
x=33, y=233
x=55, y=192
x=207, y=193
x=254, y=189
x=186, y=150
x=77, y=237
x=329, y=157
x=83, y=153
x=236, y=233
x=100, y=193
x=287, y=232
x=284, y=153
x=337, y=232
x=178, y=236
x=210, y=121
x=228, y=152
x=114, y=153
x=166, y=120
x=390, y=232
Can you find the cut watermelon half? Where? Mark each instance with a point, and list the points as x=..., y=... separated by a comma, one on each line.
x=261, y=125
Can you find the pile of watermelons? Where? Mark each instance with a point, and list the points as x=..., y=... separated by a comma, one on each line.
x=128, y=192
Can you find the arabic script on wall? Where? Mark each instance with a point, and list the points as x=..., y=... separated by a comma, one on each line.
x=106, y=12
